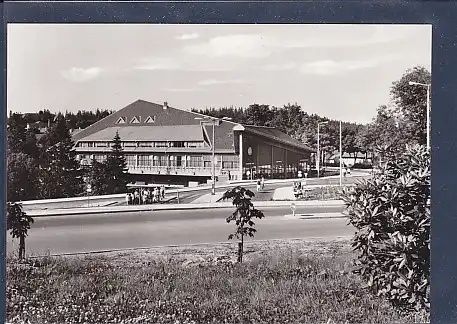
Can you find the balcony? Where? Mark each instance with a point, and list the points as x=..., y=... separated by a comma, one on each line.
x=179, y=171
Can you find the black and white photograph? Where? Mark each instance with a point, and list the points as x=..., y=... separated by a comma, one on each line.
x=217, y=173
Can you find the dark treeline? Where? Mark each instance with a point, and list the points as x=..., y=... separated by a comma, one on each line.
x=295, y=122
x=81, y=119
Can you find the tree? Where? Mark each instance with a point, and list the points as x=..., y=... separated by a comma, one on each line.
x=60, y=173
x=258, y=115
x=243, y=215
x=16, y=133
x=21, y=177
x=411, y=103
x=18, y=223
x=116, y=168
x=98, y=178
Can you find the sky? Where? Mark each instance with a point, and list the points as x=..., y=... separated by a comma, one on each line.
x=342, y=72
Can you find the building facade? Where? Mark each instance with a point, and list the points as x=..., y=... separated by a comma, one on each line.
x=164, y=144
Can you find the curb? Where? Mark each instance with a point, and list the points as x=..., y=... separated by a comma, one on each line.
x=308, y=239
x=326, y=216
x=126, y=209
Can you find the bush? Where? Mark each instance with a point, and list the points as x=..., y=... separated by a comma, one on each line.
x=392, y=217
x=362, y=166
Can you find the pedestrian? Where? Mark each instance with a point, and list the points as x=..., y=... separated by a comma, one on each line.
x=136, y=197
x=263, y=182
x=258, y=185
x=145, y=196
x=156, y=194
x=229, y=175
x=127, y=198
x=162, y=191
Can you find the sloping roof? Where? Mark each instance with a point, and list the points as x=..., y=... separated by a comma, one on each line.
x=277, y=135
x=149, y=133
x=140, y=108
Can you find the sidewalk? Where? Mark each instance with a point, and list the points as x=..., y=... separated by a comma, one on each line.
x=150, y=208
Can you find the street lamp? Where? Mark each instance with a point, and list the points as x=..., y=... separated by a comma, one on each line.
x=341, y=156
x=428, y=108
x=318, y=147
x=213, y=167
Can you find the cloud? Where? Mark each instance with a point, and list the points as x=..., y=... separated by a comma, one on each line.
x=76, y=74
x=350, y=36
x=182, y=89
x=239, y=46
x=279, y=67
x=329, y=67
x=188, y=36
x=214, y=82
x=158, y=63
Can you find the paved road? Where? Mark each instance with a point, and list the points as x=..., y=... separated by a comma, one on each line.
x=267, y=193
x=72, y=234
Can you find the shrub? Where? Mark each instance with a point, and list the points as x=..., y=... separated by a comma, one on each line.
x=18, y=223
x=391, y=215
x=243, y=215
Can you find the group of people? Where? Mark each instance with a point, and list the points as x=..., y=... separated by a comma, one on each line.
x=146, y=196
x=260, y=184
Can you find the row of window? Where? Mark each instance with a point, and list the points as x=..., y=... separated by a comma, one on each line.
x=191, y=161
x=144, y=144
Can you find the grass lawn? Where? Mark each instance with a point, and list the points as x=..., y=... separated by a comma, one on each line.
x=281, y=281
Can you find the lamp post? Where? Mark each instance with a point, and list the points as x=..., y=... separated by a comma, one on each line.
x=318, y=160
x=428, y=108
x=341, y=156
x=213, y=166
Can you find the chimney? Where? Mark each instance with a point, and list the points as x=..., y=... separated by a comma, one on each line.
x=165, y=105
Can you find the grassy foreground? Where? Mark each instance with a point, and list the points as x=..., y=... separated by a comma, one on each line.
x=280, y=281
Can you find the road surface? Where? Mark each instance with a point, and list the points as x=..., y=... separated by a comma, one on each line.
x=85, y=233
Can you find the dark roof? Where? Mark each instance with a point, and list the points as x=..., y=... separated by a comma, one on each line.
x=150, y=133
x=277, y=135
x=140, y=108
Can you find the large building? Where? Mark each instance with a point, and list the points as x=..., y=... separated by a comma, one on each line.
x=164, y=144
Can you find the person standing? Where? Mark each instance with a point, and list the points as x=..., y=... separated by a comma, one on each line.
x=258, y=185
x=263, y=182
x=162, y=191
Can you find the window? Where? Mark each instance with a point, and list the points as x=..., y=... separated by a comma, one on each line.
x=144, y=160
x=129, y=144
x=121, y=120
x=160, y=144
x=178, y=160
x=131, y=160
x=101, y=144
x=150, y=120
x=177, y=144
x=195, y=144
x=135, y=120
x=163, y=160
x=195, y=161
x=100, y=158
x=86, y=144
x=146, y=144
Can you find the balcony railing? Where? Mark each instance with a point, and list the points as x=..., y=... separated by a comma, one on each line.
x=175, y=170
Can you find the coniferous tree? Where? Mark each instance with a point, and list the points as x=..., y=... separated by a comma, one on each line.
x=21, y=160
x=60, y=174
x=98, y=178
x=116, y=168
